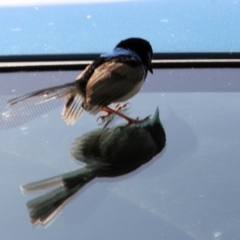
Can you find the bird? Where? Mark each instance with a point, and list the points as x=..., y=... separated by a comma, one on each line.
x=106, y=153
x=113, y=77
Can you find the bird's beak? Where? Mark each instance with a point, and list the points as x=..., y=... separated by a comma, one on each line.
x=150, y=69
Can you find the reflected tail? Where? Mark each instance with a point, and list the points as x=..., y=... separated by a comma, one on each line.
x=44, y=208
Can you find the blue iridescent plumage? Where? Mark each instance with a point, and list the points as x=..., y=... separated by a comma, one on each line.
x=121, y=52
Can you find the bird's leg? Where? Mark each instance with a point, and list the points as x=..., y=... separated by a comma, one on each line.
x=130, y=120
x=108, y=117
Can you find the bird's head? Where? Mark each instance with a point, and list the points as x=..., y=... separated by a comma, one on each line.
x=141, y=47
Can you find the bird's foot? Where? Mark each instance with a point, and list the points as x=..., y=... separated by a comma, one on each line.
x=122, y=107
x=109, y=116
x=135, y=121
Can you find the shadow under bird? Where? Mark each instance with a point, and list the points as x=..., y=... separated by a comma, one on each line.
x=107, y=153
x=111, y=78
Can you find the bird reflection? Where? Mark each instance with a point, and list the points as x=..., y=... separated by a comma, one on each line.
x=107, y=153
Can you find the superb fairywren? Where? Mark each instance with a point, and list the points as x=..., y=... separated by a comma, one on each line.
x=111, y=78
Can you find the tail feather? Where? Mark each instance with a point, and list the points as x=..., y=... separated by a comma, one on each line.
x=45, y=207
x=42, y=184
x=49, y=93
x=72, y=108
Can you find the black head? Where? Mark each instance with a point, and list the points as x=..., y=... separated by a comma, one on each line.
x=142, y=47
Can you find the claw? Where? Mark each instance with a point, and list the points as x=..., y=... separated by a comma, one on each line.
x=122, y=107
x=119, y=113
x=109, y=116
x=136, y=121
x=116, y=106
x=105, y=118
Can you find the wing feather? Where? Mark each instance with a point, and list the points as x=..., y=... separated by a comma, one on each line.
x=113, y=82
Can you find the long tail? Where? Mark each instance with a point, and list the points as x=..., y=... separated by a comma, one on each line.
x=72, y=108
x=47, y=94
x=44, y=208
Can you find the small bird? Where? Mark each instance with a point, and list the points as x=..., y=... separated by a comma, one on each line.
x=112, y=78
x=107, y=153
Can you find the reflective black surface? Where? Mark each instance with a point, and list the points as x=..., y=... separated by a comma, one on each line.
x=191, y=192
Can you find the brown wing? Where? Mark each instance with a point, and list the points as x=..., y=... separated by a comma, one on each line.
x=113, y=82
